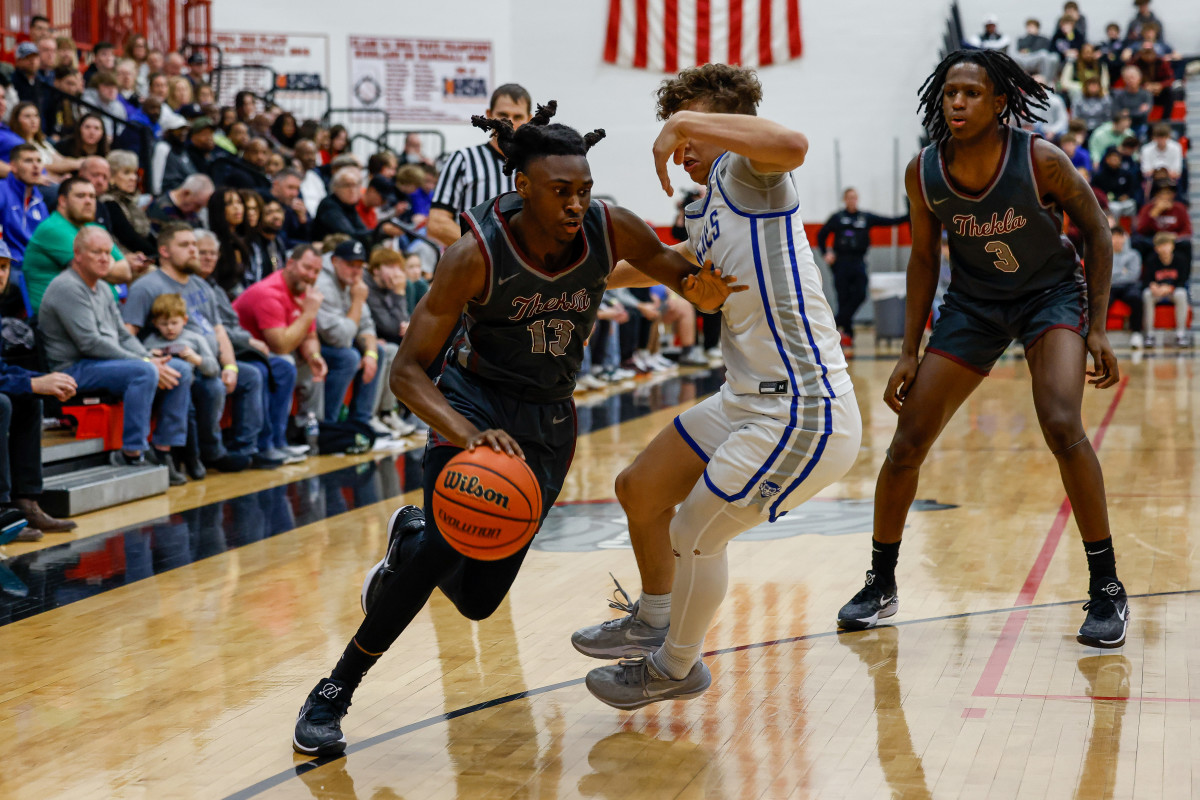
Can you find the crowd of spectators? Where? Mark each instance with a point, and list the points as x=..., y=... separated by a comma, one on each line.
x=1112, y=109
x=203, y=265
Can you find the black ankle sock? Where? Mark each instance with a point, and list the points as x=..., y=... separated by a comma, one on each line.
x=353, y=665
x=1102, y=561
x=883, y=562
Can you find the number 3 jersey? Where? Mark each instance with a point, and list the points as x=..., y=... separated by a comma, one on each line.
x=1004, y=241
x=779, y=337
x=526, y=332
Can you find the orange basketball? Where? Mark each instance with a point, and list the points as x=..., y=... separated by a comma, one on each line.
x=487, y=504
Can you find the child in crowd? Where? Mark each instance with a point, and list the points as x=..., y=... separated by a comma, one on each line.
x=169, y=316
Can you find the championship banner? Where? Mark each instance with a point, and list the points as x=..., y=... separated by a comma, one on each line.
x=436, y=81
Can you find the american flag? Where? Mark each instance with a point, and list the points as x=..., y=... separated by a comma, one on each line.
x=670, y=35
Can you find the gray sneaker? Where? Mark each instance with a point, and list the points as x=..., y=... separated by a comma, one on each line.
x=635, y=682
x=624, y=636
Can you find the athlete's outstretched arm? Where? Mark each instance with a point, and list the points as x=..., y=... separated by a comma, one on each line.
x=771, y=147
x=924, y=261
x=1058, y=180
x=461, y=275
x=640, y=248
x=625, y=276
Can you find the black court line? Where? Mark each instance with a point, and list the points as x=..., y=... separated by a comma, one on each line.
x=55, y=576
x=282, y=777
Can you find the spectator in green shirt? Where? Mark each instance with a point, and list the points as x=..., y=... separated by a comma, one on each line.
x=51, y=247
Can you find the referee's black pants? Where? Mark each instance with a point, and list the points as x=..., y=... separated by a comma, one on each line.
x=850, y=283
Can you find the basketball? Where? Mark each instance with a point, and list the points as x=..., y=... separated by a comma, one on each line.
x=487, y=504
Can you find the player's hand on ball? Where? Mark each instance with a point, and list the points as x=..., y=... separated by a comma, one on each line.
x=900, y=382
x=1105, y=372
x=708, y=288
x=498, y=440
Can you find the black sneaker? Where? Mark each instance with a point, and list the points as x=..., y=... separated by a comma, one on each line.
x=406, y=522
x=189, y=459
x=871, y=604
x=1107, y=617
x=163, y=458
x=319, y=726
x=229, y=463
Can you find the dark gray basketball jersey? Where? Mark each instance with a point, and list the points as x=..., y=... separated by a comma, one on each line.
x=1004, y=241
x=526, y=331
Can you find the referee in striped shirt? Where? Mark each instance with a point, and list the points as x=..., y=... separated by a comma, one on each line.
x=475, y=175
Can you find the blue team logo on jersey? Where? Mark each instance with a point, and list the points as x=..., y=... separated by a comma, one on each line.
x=768, y=489
x=708, y=236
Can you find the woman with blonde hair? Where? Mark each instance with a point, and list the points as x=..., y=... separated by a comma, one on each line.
x=26, y=122
x=128, y=222
x=179, y=92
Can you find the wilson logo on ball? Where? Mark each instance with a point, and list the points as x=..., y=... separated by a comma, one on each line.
x=470, y=486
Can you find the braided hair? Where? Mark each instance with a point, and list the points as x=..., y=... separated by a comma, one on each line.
x=1021, y=91
x=536, y=138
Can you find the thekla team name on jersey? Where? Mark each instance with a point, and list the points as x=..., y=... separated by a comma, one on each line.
x=532, y=306
x=455, y=481
x=968, y=225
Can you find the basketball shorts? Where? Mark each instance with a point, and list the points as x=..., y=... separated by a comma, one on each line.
x=975, y=333
x=545, y=431
x=772, y=452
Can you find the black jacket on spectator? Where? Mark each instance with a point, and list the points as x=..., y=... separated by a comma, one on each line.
x=1176, y=273
x=177, y=168
x=204, y=162
x=334, y=216
x=29, y=90
x=240, y=174
x=1123, y=181
x=1034, y=43
x=388, y=309
x=124, y=230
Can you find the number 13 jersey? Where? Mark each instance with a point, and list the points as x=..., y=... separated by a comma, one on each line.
x=526, y=331
x=1004, y=241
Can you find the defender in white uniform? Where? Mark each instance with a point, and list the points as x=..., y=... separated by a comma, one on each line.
x=785, y=424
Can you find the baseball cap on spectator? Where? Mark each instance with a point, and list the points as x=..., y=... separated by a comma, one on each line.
x=191, y=111
x=26, y=49
x=5, y=253
x=196, y=58
x=352, y=250
x=991, y=19
x=175, y=122
x=200, y=123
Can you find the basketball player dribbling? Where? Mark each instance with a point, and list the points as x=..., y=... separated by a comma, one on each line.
x=784, y=425
x=526, y=286
x=999, y=192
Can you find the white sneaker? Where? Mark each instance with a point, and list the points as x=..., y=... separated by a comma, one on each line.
x=713, y=352
x=1183, y=340
x=298, y=450
x=619, y=375
x=400, y=427
x=381, y=430
x=694, y=357
x=1136, y=341
x=588, y=383
x=660, y=363
x=641, y=361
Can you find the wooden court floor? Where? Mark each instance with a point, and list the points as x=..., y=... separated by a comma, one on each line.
x=186, y=684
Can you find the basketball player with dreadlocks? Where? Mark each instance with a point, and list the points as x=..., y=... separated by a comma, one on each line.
x=1000, y=194
x=785, y=424
x=526, y=286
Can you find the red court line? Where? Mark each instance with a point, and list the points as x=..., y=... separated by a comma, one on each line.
x=989, y=681
x=1098, y=697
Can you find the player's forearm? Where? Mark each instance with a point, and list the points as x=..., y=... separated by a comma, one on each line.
x=441, y=227
x=921, y=286
x=758, y=139
x=417, y=392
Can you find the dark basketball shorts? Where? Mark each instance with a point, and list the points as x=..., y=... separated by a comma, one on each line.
x=975, y=333
x=545, y=431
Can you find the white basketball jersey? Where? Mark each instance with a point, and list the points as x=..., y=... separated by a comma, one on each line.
x=779, y=337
